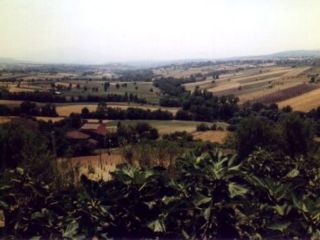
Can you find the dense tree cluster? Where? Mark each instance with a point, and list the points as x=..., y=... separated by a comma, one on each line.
x=29, y=109
x=135, y=75
x=170, y=86
x=204, y=106
x=129, y=113
x=137, y=132
x=200, y=105
x=50, y=97
x=290, y=136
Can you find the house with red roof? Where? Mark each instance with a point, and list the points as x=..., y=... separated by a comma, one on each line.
x=91, y=132
x=94, y=129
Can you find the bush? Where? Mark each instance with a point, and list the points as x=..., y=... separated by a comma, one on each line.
x=207, y=195
x=202, y=127
x=213, y=127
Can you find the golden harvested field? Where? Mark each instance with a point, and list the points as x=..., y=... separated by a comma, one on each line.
x=10, y=102
x=66, y=110
x=208, y=83
x=251, y=84
x=297, y=71
x=163, y=126
x=95, y=167
x=211, y=136
x=5, y=119
x=47, y=119
x=248, y=75
x=14, y=88
x=224, y=87
x=304, y=102
x=260, y=93
x=261, y=76
x=251, y=79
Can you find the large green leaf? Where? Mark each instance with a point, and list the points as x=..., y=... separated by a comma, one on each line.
x=71, y=230
x=293, y=173
x=201, y=199
x=236, y=190
x=157, y=226
x=206, y=213
x=280, y=226
x=282, y=210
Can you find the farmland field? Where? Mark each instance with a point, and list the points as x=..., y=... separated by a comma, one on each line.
x=47, y=119
x=261, y=82
x=141, y=89
x=95, y=167
x=304, y=102
x=260, y=93
x=10, y=102
x=164, y=127
x=255, y=84
x=67, y=109
x=286, y=93
x=211, y=136
x=4, y=119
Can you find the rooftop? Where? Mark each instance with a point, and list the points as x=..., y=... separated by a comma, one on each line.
x=77, y=135
x=90, y=126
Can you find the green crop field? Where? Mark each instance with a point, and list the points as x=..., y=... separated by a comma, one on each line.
x=141, y=89
x=163, y=127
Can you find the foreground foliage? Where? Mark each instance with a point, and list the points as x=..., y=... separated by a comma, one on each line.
x=206, y=195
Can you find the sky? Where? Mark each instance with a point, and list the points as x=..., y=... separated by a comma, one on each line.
x=104, y=31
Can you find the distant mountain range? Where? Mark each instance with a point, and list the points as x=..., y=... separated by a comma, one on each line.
x=284, y=54
x=297, y=53
x=8, y=61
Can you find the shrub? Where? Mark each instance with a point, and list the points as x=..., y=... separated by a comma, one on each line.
x=202, y=127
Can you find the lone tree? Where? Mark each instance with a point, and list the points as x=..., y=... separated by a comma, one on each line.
x=85, y=112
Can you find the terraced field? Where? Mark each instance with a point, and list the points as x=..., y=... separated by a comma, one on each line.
x=287, y=93
x=231, y=84
x=255, y=84
x=225, y=78
x=304, y=102
x=66, y=109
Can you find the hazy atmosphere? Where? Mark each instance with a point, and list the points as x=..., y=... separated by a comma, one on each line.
x=159, y=119
x=78, y=31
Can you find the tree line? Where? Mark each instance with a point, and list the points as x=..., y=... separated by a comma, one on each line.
x=199, y=105
x=27, y=108
x=50, y=97
x=131, y=113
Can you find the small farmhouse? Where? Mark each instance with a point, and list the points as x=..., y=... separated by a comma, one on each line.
x=92, y=132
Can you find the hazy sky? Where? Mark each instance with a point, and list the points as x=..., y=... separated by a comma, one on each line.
x=101, y=31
